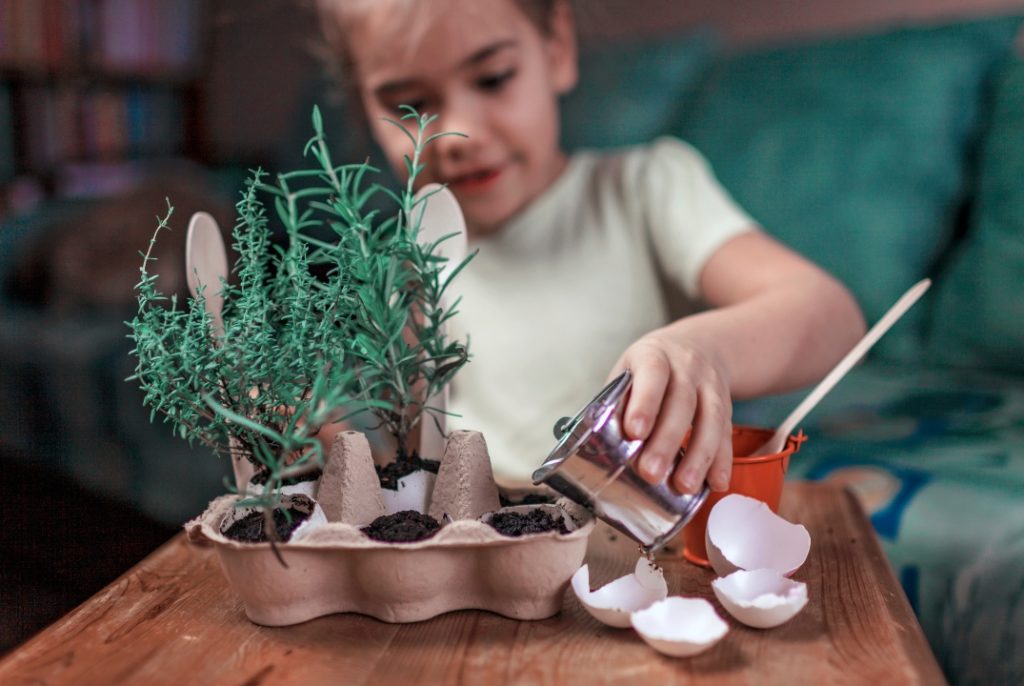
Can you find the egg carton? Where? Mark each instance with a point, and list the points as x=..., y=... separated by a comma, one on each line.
x=331, y=566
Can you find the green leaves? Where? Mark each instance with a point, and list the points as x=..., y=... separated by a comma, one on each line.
x=301, y=350
x=397, y=325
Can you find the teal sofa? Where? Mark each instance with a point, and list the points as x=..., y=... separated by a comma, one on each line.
x=886, y=157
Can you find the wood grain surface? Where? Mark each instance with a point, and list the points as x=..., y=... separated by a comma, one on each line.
x=173, y=620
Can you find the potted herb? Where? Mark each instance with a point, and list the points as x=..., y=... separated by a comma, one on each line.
x=346, y=316
x=397, y=328
x=261, y=389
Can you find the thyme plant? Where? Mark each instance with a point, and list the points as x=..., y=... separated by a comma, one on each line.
x=315, y=329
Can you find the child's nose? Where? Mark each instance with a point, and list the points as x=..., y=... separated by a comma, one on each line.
x=464, y=118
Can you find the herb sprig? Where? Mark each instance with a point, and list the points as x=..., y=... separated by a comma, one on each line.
x=299, y=351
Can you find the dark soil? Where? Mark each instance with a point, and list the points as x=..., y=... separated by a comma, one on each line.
x=260, y=477
x=249, y=529
x=403, y=466
x=522, y=523
x=528, y=499
x=406, y=526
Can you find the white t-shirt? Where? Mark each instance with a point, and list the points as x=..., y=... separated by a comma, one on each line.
x=552, y=301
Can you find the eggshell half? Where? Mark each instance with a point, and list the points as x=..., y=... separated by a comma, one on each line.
x=413, y=493
x=316, y=520
x=743, y=533
x=612, y=603
x=680, y=627
x=761, y=598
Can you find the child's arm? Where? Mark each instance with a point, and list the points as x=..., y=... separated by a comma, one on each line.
x=776, y=323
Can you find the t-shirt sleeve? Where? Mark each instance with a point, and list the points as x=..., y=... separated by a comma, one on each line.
x=687, y=212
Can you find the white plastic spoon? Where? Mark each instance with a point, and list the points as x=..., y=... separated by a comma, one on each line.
x=206, y=264
x=778, y=439
x=441, y=216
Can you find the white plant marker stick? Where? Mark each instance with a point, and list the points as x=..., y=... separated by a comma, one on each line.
x=206, y=264
x=441, y=216
x=778, y=439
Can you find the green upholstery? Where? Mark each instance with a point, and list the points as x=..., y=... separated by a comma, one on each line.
x=629, y=92
x=979, y=316
x=855, y=151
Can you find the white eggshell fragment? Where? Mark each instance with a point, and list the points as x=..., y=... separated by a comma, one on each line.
x=306, y=488
x=315, y=520
x=680, y=627
x=612, y=603
x=743, y=533
x=413, y=493
x=761, y=598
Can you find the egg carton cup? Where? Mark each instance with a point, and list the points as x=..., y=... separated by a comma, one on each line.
x=332, y=566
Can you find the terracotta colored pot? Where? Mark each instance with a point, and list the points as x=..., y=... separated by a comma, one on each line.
x=758, y=477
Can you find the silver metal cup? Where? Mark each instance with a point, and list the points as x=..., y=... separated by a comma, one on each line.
x=592, y=465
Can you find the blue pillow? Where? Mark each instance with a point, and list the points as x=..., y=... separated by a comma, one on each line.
x=979, y=318
x=855, y=151
x=631, y=92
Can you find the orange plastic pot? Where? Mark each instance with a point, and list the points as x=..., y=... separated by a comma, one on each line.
x=758, y=477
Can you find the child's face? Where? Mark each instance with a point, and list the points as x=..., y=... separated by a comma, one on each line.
x=487, y=72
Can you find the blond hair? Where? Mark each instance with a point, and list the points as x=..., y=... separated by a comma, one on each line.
x=335, y=15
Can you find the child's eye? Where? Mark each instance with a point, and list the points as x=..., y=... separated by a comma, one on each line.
x=495, y=82
x=419, y=105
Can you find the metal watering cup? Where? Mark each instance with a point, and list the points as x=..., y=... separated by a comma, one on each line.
x=592, y=465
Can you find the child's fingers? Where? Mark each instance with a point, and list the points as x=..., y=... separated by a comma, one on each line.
x=705, y=443
x=661, y=450
x=651, y=374
x=721, y=469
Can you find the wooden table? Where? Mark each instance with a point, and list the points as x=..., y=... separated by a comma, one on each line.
x=172, y=619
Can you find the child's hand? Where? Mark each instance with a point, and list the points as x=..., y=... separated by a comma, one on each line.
x=677, y=385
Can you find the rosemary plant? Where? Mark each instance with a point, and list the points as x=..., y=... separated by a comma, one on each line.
x=397, y=326
x=299, y=351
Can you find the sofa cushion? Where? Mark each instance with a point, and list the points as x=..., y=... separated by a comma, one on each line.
x=979, y=314
x=630, y=92
x=854, y=150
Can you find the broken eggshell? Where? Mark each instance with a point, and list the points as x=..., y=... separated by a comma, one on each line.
x=761, y=598
x=414, y=491
x=290, y=501
x=743, y=533
x=613, y=603
x=310, y=524
x=680, y=627
x=306, y=488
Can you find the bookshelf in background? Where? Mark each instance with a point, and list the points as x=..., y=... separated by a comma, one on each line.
x=88, y=87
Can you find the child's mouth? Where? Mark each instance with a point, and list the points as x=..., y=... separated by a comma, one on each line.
x=475, y=181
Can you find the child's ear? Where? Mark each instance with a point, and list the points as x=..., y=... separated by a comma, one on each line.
x=563, y=56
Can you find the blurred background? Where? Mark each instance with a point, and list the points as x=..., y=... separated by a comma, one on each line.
x=109, y=106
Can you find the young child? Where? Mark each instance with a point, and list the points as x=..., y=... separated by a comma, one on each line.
x=567, y=288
